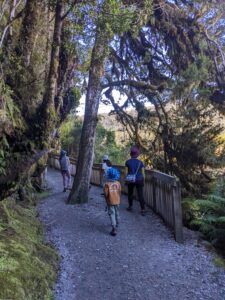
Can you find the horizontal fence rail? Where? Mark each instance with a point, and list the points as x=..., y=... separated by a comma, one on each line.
x=161, y=192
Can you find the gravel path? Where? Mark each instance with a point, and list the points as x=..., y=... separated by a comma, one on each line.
x=142, y=262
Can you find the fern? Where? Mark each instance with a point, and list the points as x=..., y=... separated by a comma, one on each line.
x=221, y=220
x=208, y=215
x=211, y=219
x=197, y=222
x=217, y=199
x=207, y=205
x=9, y=108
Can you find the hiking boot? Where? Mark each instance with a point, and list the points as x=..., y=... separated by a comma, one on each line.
x=129, y=208
x=113, y=232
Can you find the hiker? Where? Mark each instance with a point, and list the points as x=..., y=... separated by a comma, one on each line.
x=65, y=169
x=135, y=179
x=112, y=191
x=106, y=164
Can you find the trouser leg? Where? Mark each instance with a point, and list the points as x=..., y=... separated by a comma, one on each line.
x=68, y=178
x=117, y=215
x=112, y=215
x=64, y=178
x=130, y=194
x=140, y=195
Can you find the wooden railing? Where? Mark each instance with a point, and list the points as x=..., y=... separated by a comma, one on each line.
x=161, y=192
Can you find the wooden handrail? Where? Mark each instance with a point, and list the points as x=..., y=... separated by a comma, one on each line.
x=162, y=192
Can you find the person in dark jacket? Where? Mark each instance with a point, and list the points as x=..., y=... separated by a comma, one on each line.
x=135, y=166
x=65, y=169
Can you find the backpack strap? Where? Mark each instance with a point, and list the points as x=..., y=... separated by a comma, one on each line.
x=138, y=168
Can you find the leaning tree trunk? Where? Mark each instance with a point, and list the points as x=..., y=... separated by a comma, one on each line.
x=79, y=193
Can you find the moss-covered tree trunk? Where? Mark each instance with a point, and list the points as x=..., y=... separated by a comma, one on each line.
x=31, y=116
x=79, y=193
x=47, y=110
x=18, y=76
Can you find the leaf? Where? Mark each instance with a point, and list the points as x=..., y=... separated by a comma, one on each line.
x=207, y=205
x=221, y=220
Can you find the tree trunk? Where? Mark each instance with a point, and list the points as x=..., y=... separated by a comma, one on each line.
x=79, y=193
x=30, y=30
x=47, y=110
x=54, y=63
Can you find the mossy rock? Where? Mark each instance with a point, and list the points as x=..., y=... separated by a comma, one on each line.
x=28, y=266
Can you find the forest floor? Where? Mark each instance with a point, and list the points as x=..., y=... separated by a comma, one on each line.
x=142, y=262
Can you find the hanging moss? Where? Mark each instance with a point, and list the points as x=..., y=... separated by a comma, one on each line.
x=27, y=265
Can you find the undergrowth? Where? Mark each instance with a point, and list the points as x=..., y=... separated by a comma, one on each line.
x=208, y=214
x=27, y=265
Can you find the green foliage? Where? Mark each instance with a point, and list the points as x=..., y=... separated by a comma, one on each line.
x=208, y=216
x=207, y=206
x=9, y=111
x=4, y=147
x=70, y=132
x=27, y=265
x=105, y=143
x=190, y=210
x=190, y=140
x=2, y=162
x=118, y=18
x=219, y=262
x=75, y=96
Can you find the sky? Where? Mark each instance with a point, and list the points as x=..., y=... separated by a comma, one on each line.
x=102, y=107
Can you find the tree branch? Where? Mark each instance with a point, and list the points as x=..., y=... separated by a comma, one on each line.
x=140, y=85
x=11, y=19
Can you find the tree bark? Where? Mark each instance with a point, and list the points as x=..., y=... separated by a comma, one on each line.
x=79, y=193
x=54, y=63
x=47, y=109
x=29, y=30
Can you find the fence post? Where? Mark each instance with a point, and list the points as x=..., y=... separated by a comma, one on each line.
x=177, y=213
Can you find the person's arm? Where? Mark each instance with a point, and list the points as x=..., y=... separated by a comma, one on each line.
x=126, y=169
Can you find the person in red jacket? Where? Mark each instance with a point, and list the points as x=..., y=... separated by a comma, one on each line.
x=112, y=192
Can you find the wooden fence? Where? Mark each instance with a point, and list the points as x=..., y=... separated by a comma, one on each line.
x=161, y=193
